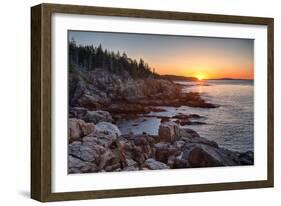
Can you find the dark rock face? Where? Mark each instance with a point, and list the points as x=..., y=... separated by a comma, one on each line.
x=102, y=90
x=200, y=158
x=77, y=112
x=89, y=101
x=246, y=158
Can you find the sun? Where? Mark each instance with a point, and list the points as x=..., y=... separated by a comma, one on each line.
x=200, y=76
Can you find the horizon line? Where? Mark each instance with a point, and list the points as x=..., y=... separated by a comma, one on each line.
x=220, y=78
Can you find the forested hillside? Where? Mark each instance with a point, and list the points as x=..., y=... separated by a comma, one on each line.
x=91, y=58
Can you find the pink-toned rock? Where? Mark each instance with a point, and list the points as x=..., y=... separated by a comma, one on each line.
x=169, y=132
x=78, y=128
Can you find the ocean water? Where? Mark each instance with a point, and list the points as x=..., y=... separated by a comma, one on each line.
x=231, y=125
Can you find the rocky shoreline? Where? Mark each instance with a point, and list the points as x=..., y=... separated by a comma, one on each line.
x=122, y=96
x=98, y=99
x=102, y=148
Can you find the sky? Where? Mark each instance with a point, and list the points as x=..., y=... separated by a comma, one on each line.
x=201, y=57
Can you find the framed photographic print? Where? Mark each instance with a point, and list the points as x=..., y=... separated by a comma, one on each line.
x=130, y=102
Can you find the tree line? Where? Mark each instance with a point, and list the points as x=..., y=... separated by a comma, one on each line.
x=90, y=58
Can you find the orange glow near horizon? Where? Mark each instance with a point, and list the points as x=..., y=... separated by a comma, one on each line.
x=212, y=72
x=206, y=65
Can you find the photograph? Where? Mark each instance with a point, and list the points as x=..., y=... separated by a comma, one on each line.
x=151, y=102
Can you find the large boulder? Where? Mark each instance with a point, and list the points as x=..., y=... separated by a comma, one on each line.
x=204, y=155
x=190, y=136
x=155, y=165
x=199, y=157
x=83, y=152
x=76, y=165
x=101, y=149
x=78, y=128
x=169, y=132
x=97, y=116
x=108, y=128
